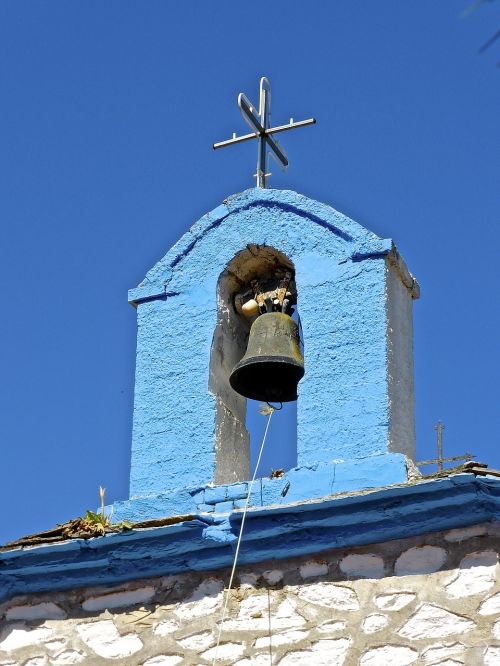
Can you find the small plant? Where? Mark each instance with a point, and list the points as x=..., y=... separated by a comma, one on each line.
x=101, y=522
x=99, y=518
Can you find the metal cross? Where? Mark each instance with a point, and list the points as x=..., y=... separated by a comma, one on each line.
x=439, y=427
x=260, y=125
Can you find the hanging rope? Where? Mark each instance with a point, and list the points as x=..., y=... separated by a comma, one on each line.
x=237, y=552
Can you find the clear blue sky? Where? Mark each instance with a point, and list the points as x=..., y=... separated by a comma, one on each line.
x=109, y=111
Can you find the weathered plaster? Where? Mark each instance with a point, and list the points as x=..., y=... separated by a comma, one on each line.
x=307, y=611
x=399, y=306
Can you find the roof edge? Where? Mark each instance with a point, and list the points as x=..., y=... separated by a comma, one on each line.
x=272, y=532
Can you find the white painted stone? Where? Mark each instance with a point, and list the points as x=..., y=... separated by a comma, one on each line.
x=436, y=653
x=248, y=580
x=17, y=636
x=394, y=601
x=420, y=560
x=164, y=660
x=285, y=638
x=197, y=641
x=434, y=622
x=36, y=661
x=226, y=652
x=42, y=611
x=449, y=662
x=103, y=638
x=491, y=605
x=56, y=645
x=284, y=617
x=273, y=576
x=67, y=657
x=325, y=652
x=118, y=599
x=204, y=600
x=256, y=660
x=254, y=606
x=312, y=569
x=464, y=533
x=363, y=566
x=492, y=656
x=165, y=627
x=374, y=623
x=495, y=630
x=389, y=654
x=476, y=574
x=330, y=626
x=329, y=595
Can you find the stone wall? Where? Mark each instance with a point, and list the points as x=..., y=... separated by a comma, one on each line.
x=433, y=599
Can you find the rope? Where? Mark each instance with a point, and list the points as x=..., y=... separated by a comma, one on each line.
x=237, y=552
x=269, y=624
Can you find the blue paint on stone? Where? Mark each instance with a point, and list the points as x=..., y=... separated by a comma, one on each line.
x=205, y=543
x=198, y=496
x=205, y=508
x=325, y=479
x=343, y=410
x=224, y=507
x=301, y=483
x=237, y=491
x=215, y=494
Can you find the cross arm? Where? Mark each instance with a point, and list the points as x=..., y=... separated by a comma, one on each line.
x=275, y=147
x=235, y=139
x=291, y=125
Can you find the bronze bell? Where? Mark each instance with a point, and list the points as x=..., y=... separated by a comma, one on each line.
x=273, y=363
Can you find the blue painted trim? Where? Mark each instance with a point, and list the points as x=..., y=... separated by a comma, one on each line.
x=301, y=483
x=287, y=200
x=275, y=532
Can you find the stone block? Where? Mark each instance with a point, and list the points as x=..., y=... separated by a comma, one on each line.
x=215, y=494
x=237, y=491
x=140, y=595
x=205, y=508
x=224, y=507
x=43, y=611
x=103, y=638
x=198, y=496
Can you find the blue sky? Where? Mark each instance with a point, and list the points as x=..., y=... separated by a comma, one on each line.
x=109, y=111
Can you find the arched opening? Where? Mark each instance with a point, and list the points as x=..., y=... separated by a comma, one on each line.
x=239, y=426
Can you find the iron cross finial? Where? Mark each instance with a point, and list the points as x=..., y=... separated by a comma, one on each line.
x=259, y=123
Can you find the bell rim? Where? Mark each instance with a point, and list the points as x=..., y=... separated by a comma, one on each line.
x=259, y=395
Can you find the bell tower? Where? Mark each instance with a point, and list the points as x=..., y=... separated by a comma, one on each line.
x=215, y=327
x=355, y=411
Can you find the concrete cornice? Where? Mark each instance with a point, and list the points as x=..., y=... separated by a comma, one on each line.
x=271, y=532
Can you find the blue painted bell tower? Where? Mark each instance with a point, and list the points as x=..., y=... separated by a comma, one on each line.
x=355, y=411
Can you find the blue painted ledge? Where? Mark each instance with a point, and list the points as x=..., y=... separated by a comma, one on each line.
x=271, y=532
x=299, y=484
